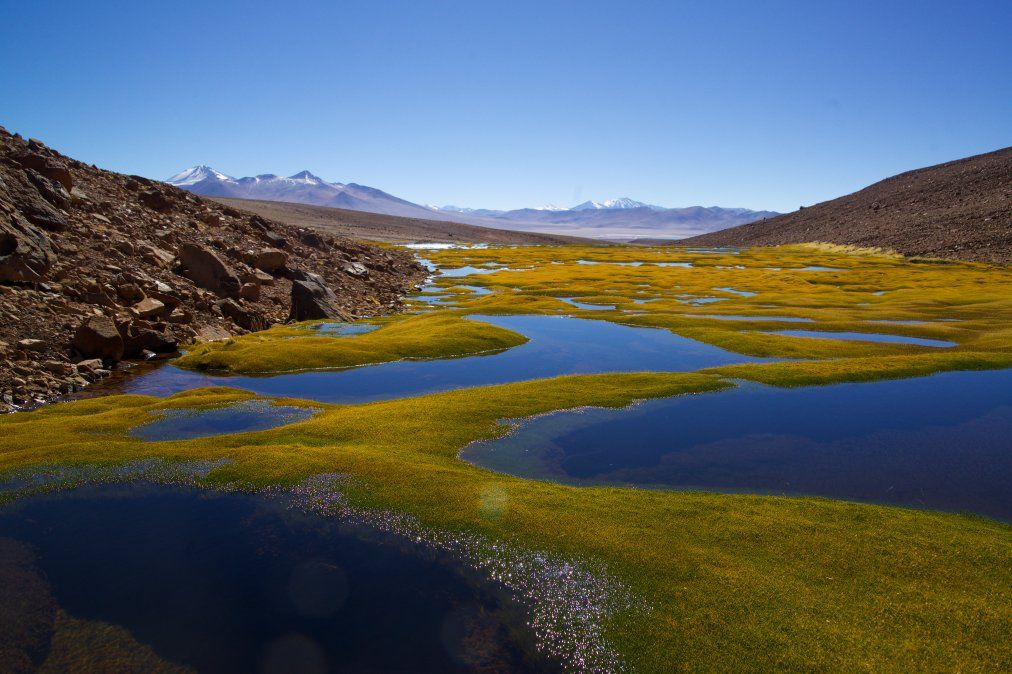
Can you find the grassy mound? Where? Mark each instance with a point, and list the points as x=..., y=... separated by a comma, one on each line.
x=295, y=347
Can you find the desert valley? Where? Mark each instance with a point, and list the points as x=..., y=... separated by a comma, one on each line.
x=294, y=424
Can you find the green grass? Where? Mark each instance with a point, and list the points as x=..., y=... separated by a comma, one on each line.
x=289, y=348
x=735, y=581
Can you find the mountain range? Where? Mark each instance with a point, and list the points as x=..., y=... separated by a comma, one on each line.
x=622, y=218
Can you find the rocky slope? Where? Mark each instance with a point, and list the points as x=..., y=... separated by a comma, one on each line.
x=960, y=210
x=97, y=268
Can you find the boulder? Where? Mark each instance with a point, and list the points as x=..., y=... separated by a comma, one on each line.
x=312, y=238
x=51, y=190
x=202, y=266
x=26, y=253
x=130, y=292
x=212, y=333
x=242, y=316
x=139, y=339
x=179, y=315
x=155, y=199
x=89, y=365
x=355, y=269
x=97, y=337
x=148, y=307
x=312, y=299
x=32, y=344
x=28, y=200
x=155, y=255
x=270, y=260
x=60, y=368
x=250, y=291
x=50, y=167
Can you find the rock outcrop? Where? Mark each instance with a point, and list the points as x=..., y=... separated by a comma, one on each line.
x=312, y=299
x=97, y=266
x=202, y=266
x=97, y=337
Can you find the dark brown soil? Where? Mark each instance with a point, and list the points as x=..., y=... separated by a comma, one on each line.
x=79, y=244
x=958, y=210
x=390, y=228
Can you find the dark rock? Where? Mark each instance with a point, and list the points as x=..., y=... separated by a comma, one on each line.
x=51, y=190
x=312, y=238
x=250, y=291
x=89, y=365
x=312, y=299
x=203, y=266
x=26, y=253
x=270, y=260
x=97, y=337
x=155, y=199
x=243, y=317
x=49, y=167
x=139, y=339
x=130, y=292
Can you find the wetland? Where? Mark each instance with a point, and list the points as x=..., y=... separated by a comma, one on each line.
x=696, y=481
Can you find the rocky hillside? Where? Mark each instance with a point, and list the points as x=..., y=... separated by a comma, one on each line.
x=960, y=210
x=98, y=268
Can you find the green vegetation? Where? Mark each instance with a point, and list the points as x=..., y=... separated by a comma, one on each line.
x=734, y=582
x=287, y=348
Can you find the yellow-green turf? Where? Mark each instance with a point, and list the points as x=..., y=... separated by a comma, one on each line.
x=286, y=348
x=966, y=303
x=735, y=582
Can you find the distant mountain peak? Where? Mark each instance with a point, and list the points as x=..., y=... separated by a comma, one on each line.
x=307, y=177
x=611, y=204
x=630, y=218
x=196, y=174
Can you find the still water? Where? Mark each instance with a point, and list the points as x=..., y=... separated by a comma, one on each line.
x=558, y=345
x=155, y=575
x=941, y=442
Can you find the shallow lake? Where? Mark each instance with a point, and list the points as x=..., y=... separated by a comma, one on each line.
x=938, y=442
x=558, y=345
x=241, y=417
x=239, y=583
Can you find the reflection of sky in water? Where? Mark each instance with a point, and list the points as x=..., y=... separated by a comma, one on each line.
x=584, y=305
x=938, y=442
x=241, y=417
x=866, y=337
x=558, y=345
x=234, y=582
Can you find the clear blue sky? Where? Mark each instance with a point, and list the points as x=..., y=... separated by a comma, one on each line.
x=511, y=104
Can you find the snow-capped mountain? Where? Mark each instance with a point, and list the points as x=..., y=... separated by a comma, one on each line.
x=194, y=175
x=624, y=202
x=302, y=188
x=622, y=217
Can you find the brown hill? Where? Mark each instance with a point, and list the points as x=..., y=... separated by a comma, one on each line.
x=97, y=267
x=389, y=228
x=960, y=210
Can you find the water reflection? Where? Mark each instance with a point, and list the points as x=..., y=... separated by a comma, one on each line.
x=143, y=577
x=558, y=345
x=937, y=442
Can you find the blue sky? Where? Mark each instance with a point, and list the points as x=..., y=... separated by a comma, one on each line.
x=505, y=105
